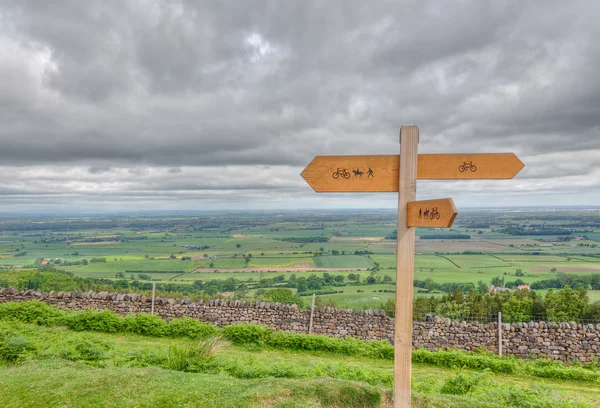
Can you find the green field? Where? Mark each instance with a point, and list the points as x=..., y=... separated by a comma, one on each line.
x=343, y=261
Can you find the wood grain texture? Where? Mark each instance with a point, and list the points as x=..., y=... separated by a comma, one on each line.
x=405, y=260
x=351, y=173
x=438, y=213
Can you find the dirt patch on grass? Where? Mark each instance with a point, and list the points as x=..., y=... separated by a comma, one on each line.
x=278, y=269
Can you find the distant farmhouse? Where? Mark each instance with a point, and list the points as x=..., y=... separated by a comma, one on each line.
x=494, y=289
x=204, y=258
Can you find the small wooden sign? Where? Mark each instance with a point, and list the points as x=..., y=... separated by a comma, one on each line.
x=438, y=213
x=379, y=173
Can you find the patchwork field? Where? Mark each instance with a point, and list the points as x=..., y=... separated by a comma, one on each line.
x=350, y=245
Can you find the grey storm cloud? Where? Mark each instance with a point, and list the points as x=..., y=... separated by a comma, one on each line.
x=223, y=102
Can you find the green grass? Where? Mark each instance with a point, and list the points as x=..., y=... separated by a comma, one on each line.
x=343, y=261
x=123, y=374
x=370, y=297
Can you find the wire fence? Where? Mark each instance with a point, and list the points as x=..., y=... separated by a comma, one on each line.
x=485, y=318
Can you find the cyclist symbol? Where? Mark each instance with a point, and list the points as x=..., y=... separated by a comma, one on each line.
x=466, y=166
x=340, y=172
x=434, y=214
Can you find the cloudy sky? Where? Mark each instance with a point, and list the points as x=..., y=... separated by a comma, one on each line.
x=138, y=105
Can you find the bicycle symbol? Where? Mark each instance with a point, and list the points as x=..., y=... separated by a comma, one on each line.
x=466, y=166
x=340, y=172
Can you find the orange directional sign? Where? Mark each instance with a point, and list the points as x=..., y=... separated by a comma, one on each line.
x=431, y=213
x=379, y=173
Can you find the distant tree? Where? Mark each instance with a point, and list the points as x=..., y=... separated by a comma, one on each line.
x=314, y=282
x=371, y=280
x=519, y=272
x=481, y=287
x=339, y=278
x=497, y=281
x=238, y=245
x=355, y=277
x=280, y=295
x=241, y=291
x=321, y=302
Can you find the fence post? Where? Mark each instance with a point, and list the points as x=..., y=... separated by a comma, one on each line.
x=153, y=296
x=499, y=333
x=312, y=312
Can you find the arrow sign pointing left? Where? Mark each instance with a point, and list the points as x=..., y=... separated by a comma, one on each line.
x=431, y=213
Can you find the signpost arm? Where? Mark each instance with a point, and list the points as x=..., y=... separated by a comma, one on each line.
x=405, y=259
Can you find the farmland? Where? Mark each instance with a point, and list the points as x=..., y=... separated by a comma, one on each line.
x=261, y=247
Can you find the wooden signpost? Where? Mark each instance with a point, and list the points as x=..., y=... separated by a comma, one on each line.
x=393, y=173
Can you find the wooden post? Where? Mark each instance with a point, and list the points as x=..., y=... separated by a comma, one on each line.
x=499, y=333
x=153, y=296
x=405, y=259
x=312, y=312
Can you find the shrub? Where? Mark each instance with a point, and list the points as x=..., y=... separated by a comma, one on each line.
x=13, y=348
x=188, y=327
x=461, y=383
x=146, y=325
x=93, y=320
x=556, y=370
x=199, y=357
x=461, y=359
x=250, y=368
x=348, y=346
x=247, y=333
x=85, y=349
x=30, y=312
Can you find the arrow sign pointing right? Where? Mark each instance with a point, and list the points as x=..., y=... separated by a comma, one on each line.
x=431, y=213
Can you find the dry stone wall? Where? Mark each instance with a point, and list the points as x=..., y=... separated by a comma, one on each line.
x=559, y=341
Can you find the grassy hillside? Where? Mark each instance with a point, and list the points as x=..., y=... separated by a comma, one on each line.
x=245, y=366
